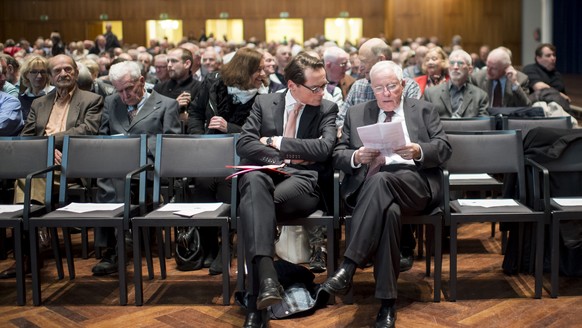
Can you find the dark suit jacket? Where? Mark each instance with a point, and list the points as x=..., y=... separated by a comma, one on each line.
x=159, y=114
x=84, y=115
x=424, y=127
x=517, y=98
x=316, y=134
x=475, y=101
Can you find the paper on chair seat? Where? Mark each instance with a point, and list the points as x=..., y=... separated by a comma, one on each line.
x=488, y=202
x=479, y=176
x=10, y=208
x=189, y=209
x=568, y=201
x=89, y=207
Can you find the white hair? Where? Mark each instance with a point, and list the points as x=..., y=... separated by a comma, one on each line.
x=120, y=70
x=389, y=65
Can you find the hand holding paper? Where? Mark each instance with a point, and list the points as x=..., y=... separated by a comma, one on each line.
x=385, y=137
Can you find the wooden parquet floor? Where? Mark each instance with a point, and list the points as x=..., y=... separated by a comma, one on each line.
x=487, y=298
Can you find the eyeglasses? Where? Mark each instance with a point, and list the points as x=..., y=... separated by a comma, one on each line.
x=315, y=89
x=35, y=72
x=68, y=70
x=390, y=87
x=460, y=63
x=344, y=64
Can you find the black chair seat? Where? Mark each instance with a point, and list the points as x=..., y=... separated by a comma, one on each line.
x=220, y=213
x=19, y=213
x=518, y=209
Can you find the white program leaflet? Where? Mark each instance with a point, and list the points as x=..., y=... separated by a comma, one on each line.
x=488, y=202
x=568, y=201
x=89, y=207
x=383, y=136
x=189, y=209
x=10, y=208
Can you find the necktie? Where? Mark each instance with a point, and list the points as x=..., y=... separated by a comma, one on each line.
x=131, y=112
x=331, y=87
x=374, y=167
x=497, y=95
x=292, y=121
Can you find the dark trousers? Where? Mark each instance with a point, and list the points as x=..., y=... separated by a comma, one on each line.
x=268, y=196
x=376, y=226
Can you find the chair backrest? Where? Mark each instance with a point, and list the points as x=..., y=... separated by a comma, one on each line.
x=525, y=124
x=484, y=123
x=186, y=156
x=21, y=156
x=488, y=152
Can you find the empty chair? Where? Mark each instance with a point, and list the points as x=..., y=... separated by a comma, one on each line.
x=482, y=123
x=188, y=156
x=526, y=124
x=24, y=157
x=119, y=157
x=479, y=152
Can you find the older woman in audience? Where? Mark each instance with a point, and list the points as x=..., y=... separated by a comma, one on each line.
x=435, y=67
x=34, y=76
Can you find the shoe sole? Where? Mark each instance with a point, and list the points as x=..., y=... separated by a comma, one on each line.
x=268, y=301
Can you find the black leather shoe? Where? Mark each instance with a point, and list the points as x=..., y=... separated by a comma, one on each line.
x=8, y=273
x=270, y=293
x=318, y=260
x=386, y=317
x=107, y=265
x=339, y=284
x=254, y=320
x=406, y=262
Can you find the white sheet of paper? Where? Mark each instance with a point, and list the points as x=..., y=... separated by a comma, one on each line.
x=568, y=201
x=10, y=208
x=458, y=176
x=189, y=209
x=488, y=202
x=88, y=207
x=383, y=136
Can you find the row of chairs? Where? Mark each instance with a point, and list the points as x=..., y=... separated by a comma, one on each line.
x=179, y=156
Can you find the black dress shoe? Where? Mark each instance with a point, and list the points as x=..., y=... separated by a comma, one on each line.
x=386, y=317
x=8, y=273
x=107, y=265
x=216, y=265
x=270, y=293
x=406, y=262
x=254, y=320
x=339, y=284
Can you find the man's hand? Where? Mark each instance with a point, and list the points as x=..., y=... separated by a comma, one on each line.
x=565, y=97
x=365, y=155
x=184, y=99
x=58, y=157
x=410, y=151
x=218, y=123
x=511, y=75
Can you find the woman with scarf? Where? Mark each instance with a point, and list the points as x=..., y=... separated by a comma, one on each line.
x=435, y=67
x=222, y=106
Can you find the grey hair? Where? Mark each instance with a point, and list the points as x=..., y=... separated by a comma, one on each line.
x=333, y=53
x=387, y=65
x=463, y=54
x=119, y=70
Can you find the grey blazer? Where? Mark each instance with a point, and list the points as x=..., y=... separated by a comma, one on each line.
x=517, y=98
x=83, y=118
x=475, y=101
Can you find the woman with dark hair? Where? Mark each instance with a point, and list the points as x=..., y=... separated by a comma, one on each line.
x=222, y=106
x=226, y=97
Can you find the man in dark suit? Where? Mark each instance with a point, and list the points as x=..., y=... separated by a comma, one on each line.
x=512, y=85
x=407, y=181
x=296, y=128
x=131, y=110
x=457, y=97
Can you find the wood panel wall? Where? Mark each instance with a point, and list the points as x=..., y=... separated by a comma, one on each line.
x=494, y=22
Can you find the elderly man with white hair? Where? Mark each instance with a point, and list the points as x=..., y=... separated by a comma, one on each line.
x=337, y=63
x=505, y=86
x=379, y=188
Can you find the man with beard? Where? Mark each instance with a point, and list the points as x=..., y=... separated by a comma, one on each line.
x=456, y=98
x=181, y=85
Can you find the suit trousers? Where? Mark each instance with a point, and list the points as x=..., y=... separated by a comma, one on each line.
x=268, y=196
x=376, y=226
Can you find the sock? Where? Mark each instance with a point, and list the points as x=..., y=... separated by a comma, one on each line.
x=266, y=268
x=386, y=303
